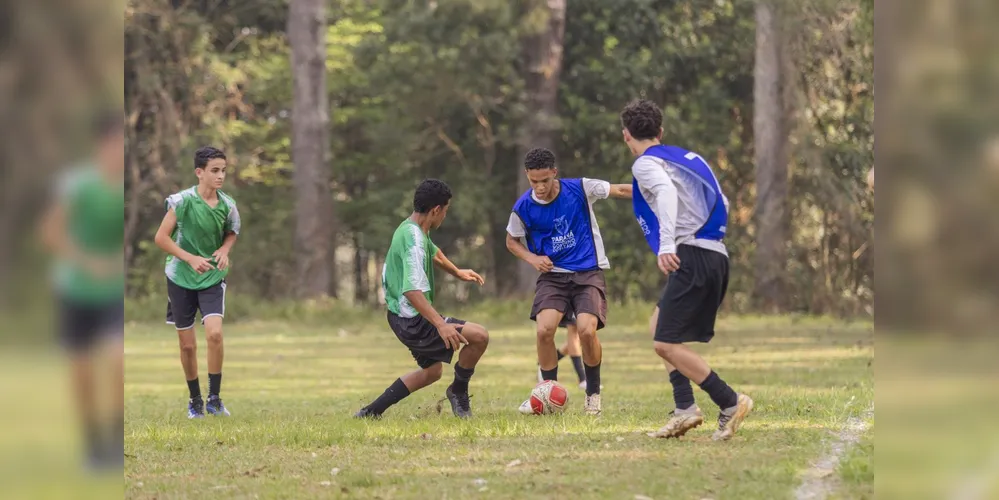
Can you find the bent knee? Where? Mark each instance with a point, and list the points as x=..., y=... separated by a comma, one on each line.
x=213, y=335
x=665, y=350
x=475, y=334
x=547, y=331
x=587, y=333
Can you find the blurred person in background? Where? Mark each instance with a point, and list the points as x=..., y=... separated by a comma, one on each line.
x=83, y=229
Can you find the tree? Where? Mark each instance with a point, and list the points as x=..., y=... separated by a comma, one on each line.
x=543, y=64
x=772, y=157
x=314, y=230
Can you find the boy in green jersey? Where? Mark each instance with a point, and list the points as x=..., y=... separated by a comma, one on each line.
x=83, y=229
x=408, y=282
x=198, y=231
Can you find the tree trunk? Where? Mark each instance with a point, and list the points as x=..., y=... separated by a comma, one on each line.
x=543, y=56
x=314, y=240
x=771, y=142
x=360, y=272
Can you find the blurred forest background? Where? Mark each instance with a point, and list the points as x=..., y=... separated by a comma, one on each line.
x=332, y=111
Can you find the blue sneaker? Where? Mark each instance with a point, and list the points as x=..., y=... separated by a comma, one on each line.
x=196, y=408
x=215, y=406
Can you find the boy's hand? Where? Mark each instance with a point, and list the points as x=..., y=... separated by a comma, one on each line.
x=542, y=263
x=452, y=339
x=668, y=262
x=470, y=275
x=199, y=264
x=221, y=257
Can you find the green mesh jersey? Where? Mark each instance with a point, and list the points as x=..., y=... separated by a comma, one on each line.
x=94, y=209
x=409, y=266
x=200, y=231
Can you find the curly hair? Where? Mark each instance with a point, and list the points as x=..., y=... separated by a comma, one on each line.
x=539, y=159
x=429, y=194
x=205, y=154
x=643, y=119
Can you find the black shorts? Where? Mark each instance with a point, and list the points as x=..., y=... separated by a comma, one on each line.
x=183, y=304
x=692, y=296
x=81, y=325
x=422, y=338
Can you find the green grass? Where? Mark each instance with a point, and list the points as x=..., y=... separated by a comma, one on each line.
x=856, y=470
x=292, y=390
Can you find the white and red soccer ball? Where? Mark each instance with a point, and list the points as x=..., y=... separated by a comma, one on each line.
x=548, y=397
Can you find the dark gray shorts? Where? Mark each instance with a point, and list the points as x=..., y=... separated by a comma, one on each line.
x=183, y=304
x=572, y=294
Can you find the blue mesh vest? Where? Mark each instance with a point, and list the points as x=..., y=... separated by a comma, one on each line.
x=561, y=229
x=692, y=163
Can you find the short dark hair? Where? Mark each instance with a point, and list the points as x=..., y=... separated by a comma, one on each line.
x=206, y=153
x=429, y=194
x=539, y=159
x=643, y=119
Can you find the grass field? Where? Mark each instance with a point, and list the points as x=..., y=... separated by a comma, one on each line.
x=292, y=390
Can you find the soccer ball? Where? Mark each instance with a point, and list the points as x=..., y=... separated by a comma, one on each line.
x=548, y=397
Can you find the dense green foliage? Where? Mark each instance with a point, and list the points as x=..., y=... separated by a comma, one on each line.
x=422, y=89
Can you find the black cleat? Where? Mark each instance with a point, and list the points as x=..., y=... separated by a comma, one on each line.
x=366, y=413
x=460, y=405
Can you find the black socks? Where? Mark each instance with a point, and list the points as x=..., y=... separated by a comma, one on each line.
x=720, y=392
x=395, y=393
x=683, y=392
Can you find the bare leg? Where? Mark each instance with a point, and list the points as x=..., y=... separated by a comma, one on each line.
x=478, y=341
x=188, y=353
x=572, y=346
x=586, y=326
x=547, y=323
x=418, y=379
x=213, y=337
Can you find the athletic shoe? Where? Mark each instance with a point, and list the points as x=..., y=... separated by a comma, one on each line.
x=592, y=405
x=680, y=421
x=215, y=406
x=460, y=404
x=196, y=408
x=366, y=413
x=730, y=418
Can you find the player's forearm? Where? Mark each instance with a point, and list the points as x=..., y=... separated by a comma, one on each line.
x=622, y=191
x=165, y=243
x=518, y=249
x=667, y=222
x=423, y=306
x=445, y=264
x=228, y=241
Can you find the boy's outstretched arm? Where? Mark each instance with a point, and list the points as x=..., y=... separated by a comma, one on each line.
x=441, y=261
x=163, y=240
x=620, y=191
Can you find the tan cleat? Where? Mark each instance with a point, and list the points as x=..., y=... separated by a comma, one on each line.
x=730, y=419
x=592, y=405
x=680, y=421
